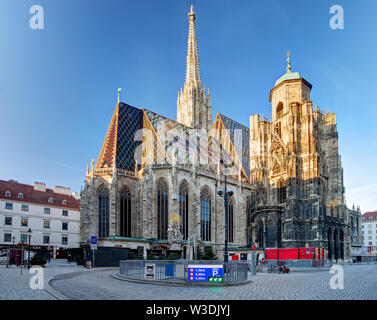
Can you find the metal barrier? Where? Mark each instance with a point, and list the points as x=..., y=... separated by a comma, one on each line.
x=177, y=270
x=301, y=263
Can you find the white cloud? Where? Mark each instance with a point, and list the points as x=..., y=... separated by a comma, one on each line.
x=365, y=196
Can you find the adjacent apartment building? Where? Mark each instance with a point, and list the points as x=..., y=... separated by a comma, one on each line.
x=369, y=221
x=52, y=216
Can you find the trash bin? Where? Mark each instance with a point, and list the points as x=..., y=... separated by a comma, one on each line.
x=88, y=264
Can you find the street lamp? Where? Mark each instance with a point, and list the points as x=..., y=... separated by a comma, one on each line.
x=28, y=260
x=226, y=205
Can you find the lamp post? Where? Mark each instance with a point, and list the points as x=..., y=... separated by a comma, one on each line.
x=227, y=194
x=28, y=260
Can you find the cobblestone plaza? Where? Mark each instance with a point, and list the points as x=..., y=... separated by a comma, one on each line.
x=72, y=282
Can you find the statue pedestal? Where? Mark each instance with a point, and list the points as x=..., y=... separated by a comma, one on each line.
x=175, y=247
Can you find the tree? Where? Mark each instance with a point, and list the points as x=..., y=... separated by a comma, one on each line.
x=209, y=254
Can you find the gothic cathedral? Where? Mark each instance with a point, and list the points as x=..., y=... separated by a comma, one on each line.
x=286, y=174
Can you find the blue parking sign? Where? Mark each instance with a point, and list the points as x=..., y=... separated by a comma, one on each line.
x=93, y=240
x=211, y=273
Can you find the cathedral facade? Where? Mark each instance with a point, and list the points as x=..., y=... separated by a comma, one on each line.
x=285, y=174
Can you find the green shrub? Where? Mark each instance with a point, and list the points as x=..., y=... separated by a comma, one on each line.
x=207, y=254
x=131, y=255
x=38, y=260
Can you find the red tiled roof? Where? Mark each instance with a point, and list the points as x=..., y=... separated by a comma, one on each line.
x=38, y=197
x=366, y=216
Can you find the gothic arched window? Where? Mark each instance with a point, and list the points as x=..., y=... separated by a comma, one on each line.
x=162, y=209
x=230, y=221
x=183, y=209
x=282, y=191
x=279, y=110
x=125, y=212
x=205, y=215
x=103, y=211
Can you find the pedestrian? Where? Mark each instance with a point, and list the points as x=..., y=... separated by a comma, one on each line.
x=69, y=258
x=49, y=257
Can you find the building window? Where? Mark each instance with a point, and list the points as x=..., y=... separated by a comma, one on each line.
x=9, y=205
x=8, y=194
x=279, y=110
x=162, y=209
x=24, y=207
x=64, y=240
x=205, y=215
x=8, y=221
x=23, y=238
x=46, y=224
x=282, y=191
x=64, y=202
x=183, y=209
x=370, y=243
x=125, y=212
x=65, y=226
x=7, y=237
x=50, y=200
x=24, y=222
x=20, y=196
x=46, y=239
x=47, y=210
x=230, y=221
x=103, y=211
x=65, y=213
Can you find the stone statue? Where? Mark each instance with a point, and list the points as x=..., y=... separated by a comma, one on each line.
x=174, y=233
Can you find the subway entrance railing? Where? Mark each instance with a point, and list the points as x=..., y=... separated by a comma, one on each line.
x=203, y=272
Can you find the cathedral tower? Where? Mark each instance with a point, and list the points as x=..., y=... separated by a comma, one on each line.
x=193, y=104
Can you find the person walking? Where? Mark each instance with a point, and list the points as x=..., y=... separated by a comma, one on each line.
x=49, y=257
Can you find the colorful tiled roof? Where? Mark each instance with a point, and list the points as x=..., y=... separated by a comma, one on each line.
x=120, y=141
x=29, y=195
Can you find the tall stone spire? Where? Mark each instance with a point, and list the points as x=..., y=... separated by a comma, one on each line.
x=193, y=104
x=192, y=60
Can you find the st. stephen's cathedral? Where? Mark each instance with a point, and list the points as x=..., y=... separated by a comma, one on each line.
x=285, y=173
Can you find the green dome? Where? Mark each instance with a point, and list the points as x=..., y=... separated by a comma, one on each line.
x=288, y=76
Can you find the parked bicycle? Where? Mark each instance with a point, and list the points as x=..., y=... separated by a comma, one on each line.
x=278, y=268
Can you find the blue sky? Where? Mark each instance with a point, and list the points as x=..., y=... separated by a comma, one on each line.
x=58, y=86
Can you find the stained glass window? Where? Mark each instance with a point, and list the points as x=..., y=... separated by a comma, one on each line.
x=282, y=191
x=230, y=221
x=103, y=212
x=162, y=209
x=125, y=212
x=183, y=209
x=205, y=215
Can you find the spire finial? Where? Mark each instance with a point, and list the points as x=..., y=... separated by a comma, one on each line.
x=192, y=9
x=119, y=90
x=288, y=62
